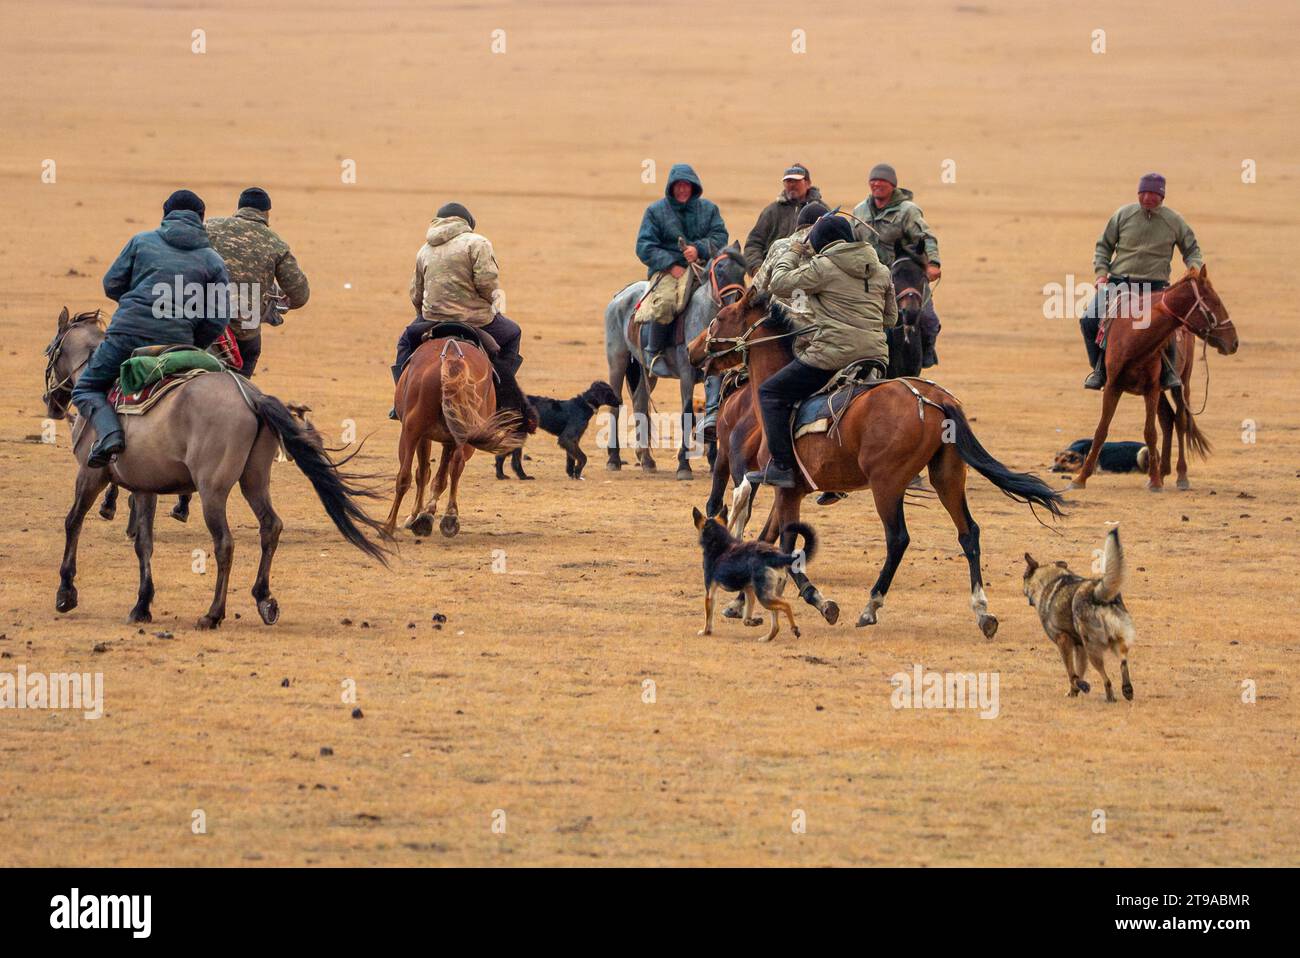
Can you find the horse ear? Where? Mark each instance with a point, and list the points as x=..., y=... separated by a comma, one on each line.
x=63, y=319
x=1030, y=564
x=698, y=517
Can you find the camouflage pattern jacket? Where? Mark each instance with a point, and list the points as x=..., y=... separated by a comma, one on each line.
x=254, y=253
x=798, y=240
x=456, y=277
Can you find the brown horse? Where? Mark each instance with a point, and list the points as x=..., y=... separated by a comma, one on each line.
x=740, y=441
x=1135, y=343
x=214, y=431
x=445, y=394
x=883, y=439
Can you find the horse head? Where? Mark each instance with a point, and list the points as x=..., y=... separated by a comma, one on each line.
x=1207, y=317
x=725, y=275
x=911, y=288
x=67, y=354
x=725, y=342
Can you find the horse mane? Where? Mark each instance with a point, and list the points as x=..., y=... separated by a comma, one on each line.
x=91, y=315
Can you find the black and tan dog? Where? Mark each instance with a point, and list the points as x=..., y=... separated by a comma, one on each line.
x=754, y=568
x=1085, y=617
x=566, y=419
x=1114, y=457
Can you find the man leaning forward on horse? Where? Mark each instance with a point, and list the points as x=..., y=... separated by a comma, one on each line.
x=1132, y=256
x=143, y=282
x=850, y=301
x=456, y=280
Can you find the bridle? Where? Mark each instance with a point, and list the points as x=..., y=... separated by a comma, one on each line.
x=719, y=293
x=743, y=342
x=53, y=384
x=1212, y=321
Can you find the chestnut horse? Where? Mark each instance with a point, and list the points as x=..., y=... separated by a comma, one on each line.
x=445, y=394
x=1135, y=343
x=883, y=439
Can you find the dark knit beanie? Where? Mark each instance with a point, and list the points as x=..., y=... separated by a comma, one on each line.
x=811, y=213
x=829, y=230
x=184, y=200
x=1152, y=183
x=255, y=197
x=455, y=209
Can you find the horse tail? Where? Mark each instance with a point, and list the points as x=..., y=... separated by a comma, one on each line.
x=336, y=489
x=633, y=375
x=1020, y=486
x=462, y=412
x=1197, y=441
x=792, y=529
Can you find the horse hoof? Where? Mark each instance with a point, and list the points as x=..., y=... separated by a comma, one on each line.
x=450, y=525
x=422, y=525
x=684, y=473
x=730, y=613
x=1128, y=692
x=757, y=620
x=831, y=612
x=1083, y=686
x=140, y=615
x=269, y=610
x=207, y=623
x=1184, y=485
x=67, y=600
x=648, y=465
x=1154, y=488
x=866, y=618
x=106, y=513
x=613, y=466
x=179, y=514
x=1074, y=486
x=795, y=630
x=988, y=625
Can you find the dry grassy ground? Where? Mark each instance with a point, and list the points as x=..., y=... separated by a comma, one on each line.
x=529, y=699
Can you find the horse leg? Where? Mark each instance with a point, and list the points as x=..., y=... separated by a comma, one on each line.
x=440, y=479
x=1109, y=400
x=1166, y=414
x=419, y=521
x=687, y=390
x=108, y=508
x=181, y=511
x=405, y=453
x=146, y=506
x=642, y=434
x=948, y=476
x=1155, y=481
x=889, y=506
x=617, y=374
x=1180, y=426
x=223, y=546
x=255, y=484
x=89, y=484
x=786, y=510
x=450, y=524
x=130, y=515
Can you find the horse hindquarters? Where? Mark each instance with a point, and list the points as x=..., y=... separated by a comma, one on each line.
x=255, y=484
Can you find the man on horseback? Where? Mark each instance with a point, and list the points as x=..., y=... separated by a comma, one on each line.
x=152, y=271
x=257, y=260
x=797, y=240
x=1132, y=256
x=850, y=300
x=887, y=217
x=456, y=281
x=677, y=232
x=778, y=219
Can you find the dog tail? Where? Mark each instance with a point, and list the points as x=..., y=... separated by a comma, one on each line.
x=1112, y=570
x=788, y=533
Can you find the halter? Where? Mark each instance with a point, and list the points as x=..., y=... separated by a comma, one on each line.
x=719, y=293
x=1211, y=321
x=55, y=350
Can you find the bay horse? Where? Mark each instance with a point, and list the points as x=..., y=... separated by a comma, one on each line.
x=723, y=278
x=1189, y=309
x=204, y=436
x=884, y=438
x=445, y=395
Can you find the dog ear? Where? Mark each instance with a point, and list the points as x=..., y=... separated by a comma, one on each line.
x=698, y=517
x=1061, y=564
x=1030, y=564
x=722, y=516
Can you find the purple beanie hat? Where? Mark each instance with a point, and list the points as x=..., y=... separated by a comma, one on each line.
x=1152, y=183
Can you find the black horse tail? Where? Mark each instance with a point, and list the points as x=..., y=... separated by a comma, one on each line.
x=792, y=529
x=336, y=490
x=633, y=375
x=1020, y=486
x=1197, y=441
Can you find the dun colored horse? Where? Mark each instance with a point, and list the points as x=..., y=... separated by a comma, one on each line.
x=1136, y=340
x=446, y=395
x=214, y=431
x=883, y=439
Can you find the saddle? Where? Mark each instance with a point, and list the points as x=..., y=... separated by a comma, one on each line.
x=139, y=403
x=823, y=409
x=466, y=333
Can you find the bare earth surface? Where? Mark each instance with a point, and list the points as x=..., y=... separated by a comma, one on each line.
x=529, y=701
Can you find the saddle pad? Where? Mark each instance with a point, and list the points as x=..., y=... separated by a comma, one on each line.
x=139, y=371
x=139, y=403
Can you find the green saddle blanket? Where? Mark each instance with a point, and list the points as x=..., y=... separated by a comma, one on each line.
x=140, y=372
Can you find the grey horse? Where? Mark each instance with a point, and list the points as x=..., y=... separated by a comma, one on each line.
x=722, y=281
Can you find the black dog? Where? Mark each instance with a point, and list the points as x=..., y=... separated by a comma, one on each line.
x=753, y=568
x=1115, y=456
x=568, y=420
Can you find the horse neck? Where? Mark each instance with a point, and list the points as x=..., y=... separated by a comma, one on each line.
x=77, y=358
x=700, y=311
x=768, y=358
x=1161, y=322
